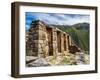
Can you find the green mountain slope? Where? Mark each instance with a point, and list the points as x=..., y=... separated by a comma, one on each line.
x=80, y=37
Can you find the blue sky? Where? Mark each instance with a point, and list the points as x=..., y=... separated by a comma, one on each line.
x=55, y=18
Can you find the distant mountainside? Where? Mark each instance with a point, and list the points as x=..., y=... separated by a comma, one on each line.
x=79, y=26
x=79, y=33
x=83, y=26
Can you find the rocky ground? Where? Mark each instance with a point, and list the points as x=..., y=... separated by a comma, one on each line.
x=65, y=59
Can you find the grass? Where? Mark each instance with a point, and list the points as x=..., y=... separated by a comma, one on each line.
x=80, y=37
x=68, y=59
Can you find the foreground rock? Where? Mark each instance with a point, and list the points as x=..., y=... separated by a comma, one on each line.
x=82, y=58
x=38, y=63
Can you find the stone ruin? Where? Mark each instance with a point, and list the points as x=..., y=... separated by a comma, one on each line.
x=43, y=40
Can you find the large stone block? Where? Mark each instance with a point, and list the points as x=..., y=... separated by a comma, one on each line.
x=40, y=41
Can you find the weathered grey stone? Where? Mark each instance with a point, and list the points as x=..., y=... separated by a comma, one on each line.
x=35, y=41
x=38, y=63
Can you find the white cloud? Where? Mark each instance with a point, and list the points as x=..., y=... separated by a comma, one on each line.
x=61, y=19
x=27, y=27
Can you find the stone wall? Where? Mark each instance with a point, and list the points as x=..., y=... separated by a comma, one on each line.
x=32, y=38
x=42, y=41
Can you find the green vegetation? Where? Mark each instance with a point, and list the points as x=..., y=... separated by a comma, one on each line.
x=66, y=59
x=80, y=37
